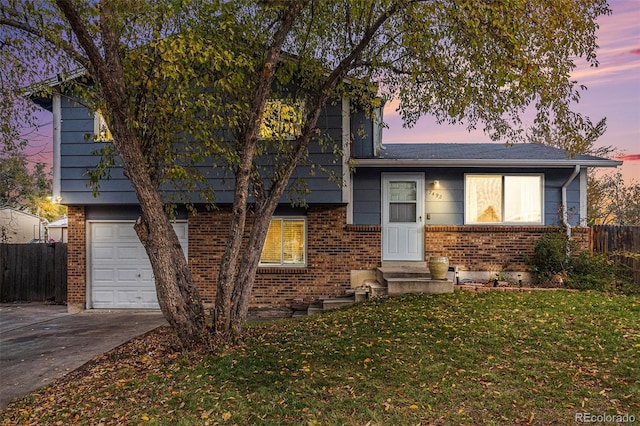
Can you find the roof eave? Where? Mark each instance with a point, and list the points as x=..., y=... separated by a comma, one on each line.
x=39, y=92
x=501, y=163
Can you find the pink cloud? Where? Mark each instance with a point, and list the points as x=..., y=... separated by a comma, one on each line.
x=630, y=157
x=635, y=52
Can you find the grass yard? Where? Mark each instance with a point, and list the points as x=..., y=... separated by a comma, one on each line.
x=463, y=358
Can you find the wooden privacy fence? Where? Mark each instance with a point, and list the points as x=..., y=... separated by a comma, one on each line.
x=33, y=272
x=609, y=239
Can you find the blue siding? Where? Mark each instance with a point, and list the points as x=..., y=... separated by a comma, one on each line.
x=362, y=135
x=78, y=156
x=367, y=197
x=445, y=205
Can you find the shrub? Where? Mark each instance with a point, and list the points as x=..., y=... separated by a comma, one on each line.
x=581, y=271
x=587, y=272
x=549, y=257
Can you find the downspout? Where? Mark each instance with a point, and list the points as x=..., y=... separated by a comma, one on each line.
x=57, y=133
x=565, y=216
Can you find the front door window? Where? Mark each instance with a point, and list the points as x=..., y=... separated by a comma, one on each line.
x=402, y=201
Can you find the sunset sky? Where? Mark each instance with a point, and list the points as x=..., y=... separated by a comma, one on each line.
x=613, y=92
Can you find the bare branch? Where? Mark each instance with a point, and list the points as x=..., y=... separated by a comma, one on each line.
x=61, y=43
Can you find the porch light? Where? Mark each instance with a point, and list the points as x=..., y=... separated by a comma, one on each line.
x=436, y=184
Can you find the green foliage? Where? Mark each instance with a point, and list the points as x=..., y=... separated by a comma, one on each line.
x=19, y=185
x=549, y=256
x=461, y=358
x=551, y=263
x=599, y=272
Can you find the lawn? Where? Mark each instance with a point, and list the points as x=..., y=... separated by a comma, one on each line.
x=462, y=358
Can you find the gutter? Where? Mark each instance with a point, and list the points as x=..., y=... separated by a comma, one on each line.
x=565, y=219
x=495, y=162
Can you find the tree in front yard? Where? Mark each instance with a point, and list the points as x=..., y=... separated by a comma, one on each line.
x=181, y=82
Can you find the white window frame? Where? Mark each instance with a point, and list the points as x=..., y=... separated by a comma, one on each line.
x=282, y=264
x=101, y=132
x=467, y=220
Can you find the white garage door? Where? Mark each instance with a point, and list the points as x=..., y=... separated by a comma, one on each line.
x=121, y=276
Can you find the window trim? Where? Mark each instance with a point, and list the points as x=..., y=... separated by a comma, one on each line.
x=101, y=132
x=305, y=245
x=502, y=176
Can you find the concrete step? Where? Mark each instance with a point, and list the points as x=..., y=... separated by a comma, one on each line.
x=377, y=289
x=417, y=270
x=338, y=302
x=401, y=285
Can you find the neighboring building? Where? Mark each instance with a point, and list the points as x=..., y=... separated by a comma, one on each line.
x=17, y=226
x=482, y=205
x=57, y=230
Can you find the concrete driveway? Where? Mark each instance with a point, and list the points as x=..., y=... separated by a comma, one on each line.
x=40, y=343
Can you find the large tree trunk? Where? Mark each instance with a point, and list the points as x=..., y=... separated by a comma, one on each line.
x=229, y=266
x=177, y=295
x=243, y=287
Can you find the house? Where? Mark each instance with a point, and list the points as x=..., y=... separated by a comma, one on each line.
x=57, y=230
x=481, y=205
x=18, y=226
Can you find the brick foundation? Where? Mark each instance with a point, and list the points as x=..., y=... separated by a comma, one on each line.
x=490, y=248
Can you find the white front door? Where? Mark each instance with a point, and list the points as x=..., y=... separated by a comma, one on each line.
x=402, y=211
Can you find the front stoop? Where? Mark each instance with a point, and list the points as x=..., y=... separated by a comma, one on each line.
x=392, y=278
x=396, y=286
x=413, y=277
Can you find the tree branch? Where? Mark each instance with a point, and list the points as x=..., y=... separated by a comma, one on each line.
x=61, y=43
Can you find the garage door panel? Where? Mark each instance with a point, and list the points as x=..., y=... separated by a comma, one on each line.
x=147, y=275
x=127, y=233
x=149, y=298
x=128, y=298
x=101, y=253
x=121, y=274
x=127, y=275
x=129, y=254
x=104, y=274
x=103, y=298
x=102, y=232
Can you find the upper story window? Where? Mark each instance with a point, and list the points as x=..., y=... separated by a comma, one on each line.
x=282, y=119
x=101, y=132
x=286, y=242
x=503, y=199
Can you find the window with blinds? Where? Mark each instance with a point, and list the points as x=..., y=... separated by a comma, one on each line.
x=285, y=243
x=282, y=120
x=503, y=199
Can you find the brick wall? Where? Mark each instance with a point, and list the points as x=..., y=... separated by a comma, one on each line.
x=333, y=250
x=77, y=258
x=490, y=248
